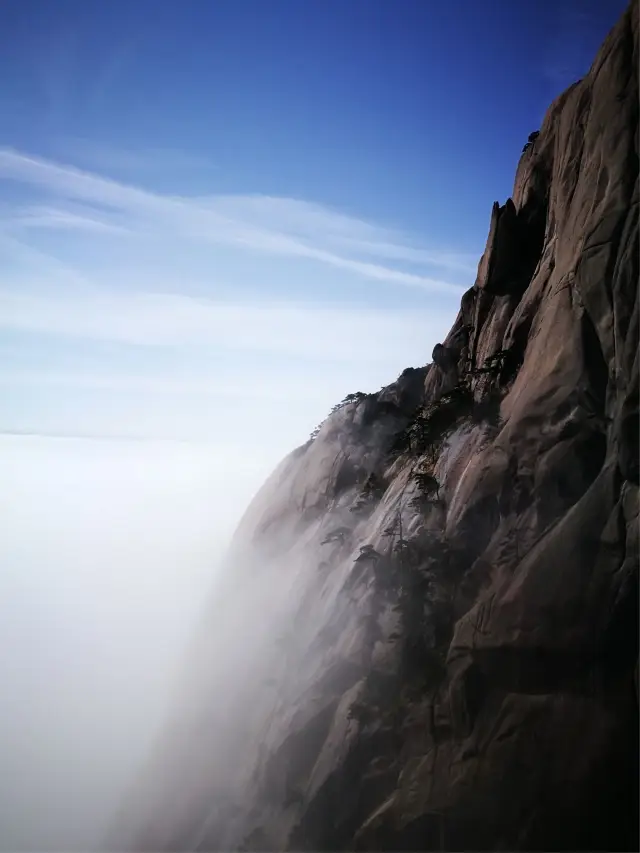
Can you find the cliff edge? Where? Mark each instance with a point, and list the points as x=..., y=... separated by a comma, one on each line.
x=438, y=594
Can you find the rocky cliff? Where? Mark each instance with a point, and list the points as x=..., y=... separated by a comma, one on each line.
x=429, y=638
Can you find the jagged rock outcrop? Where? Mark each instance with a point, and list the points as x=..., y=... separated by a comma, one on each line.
x=453, y=562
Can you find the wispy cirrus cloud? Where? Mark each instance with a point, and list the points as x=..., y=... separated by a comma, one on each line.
x=125, y=310
x=275, y=226
x=309, y=221
x=239, y=387
x=172, y=365
x=322, y=332
x=146, y=161
x=73, y=218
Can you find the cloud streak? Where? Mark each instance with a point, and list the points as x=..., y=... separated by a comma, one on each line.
x=275, y=226
x=130, y=311
x=325, y=332
x=240, y=388
x=147, y=161
x=80, y=219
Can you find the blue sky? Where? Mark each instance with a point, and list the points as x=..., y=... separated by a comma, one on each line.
x=217, y=218
x=210, y=209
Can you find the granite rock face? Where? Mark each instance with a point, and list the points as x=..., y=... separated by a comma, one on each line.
x=455, y=560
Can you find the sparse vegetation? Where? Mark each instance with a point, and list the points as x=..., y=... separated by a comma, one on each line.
x=428, y=571
x=493, y=364
x=362, y=713
x=367, y=552
x=374, y=486
x=428, y=428
x=372, y=490
x=430, y=424
x=356, y=397
x=419, y=578
x=428, y=488
x=340, y=534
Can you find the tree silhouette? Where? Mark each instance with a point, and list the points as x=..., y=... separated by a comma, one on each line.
x=357, y=397
x=337, y=535
x=367, y=553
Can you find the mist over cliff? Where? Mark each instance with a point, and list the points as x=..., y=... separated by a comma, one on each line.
x=426, y=635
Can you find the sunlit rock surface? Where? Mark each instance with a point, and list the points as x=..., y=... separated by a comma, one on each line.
x=307, y=721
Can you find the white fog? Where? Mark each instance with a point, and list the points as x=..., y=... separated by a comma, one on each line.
x=108, y=552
